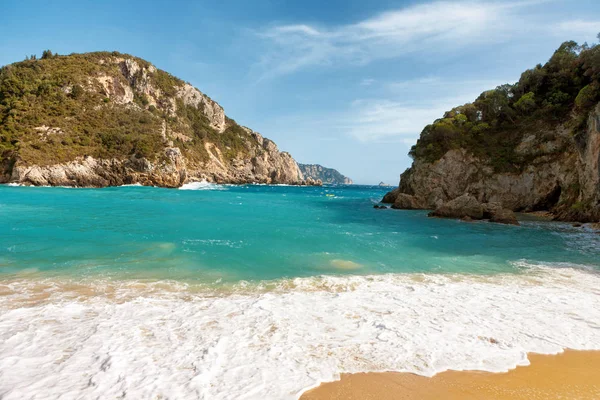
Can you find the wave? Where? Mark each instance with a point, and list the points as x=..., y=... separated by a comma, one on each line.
x=133, y=185
x=202, y=185
x=275, y=339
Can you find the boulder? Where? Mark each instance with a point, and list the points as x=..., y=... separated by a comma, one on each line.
x=463, y=206
x=406, y=202
x=489, y=209
x=504, y=216
x=390, y=197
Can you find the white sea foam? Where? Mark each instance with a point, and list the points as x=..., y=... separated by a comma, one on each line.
x=203, y=185
x=133, y=185
x=272, y=341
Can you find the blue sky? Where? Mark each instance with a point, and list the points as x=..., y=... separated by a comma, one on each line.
x=347, y=84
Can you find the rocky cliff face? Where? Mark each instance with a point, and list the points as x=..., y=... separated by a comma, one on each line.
x=103, y=119
x=530, y=146
x=326, y=175
x=565, y=182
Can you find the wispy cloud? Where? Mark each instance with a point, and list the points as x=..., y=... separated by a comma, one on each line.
x=404, y=108
x=579, y=28
x=398, y=113
x=427, y=27
x=385, y=120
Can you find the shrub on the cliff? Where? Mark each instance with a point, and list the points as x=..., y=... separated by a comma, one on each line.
x=526, y=103
x=587, y=96
x=77, y=91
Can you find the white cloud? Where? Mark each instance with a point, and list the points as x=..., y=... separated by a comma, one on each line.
x=406, y=107
x=398, y=115
x=579, y=28
x=433, y=27
x=385, y=120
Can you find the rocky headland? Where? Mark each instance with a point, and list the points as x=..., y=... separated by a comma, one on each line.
x=528, y=147
x=326, y=175
x=107, y=119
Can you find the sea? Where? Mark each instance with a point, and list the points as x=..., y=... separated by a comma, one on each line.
x=264, y=291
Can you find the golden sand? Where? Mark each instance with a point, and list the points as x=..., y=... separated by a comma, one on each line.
x=570, y=375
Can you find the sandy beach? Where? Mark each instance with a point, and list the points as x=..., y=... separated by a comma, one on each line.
x=569, y=375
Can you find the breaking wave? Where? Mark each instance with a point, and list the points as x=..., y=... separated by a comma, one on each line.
x=275, y=339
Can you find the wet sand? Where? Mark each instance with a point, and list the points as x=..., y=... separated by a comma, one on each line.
x=570, y=375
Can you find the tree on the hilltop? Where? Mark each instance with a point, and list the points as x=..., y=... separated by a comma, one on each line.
x=47, y=54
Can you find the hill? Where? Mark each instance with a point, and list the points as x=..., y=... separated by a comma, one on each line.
x=530, y=146
x=326, y=175
x=100, y=119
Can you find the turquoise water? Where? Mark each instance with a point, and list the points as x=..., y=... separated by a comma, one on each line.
x=233, y=233
x=184, y=294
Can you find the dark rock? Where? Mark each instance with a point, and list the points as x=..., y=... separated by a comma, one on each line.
x=490, y=209
x=504, y=216
x=390, y=197
x=463, y=206
x=406, y=202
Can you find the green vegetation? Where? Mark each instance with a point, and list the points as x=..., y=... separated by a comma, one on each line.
x=561, y=92
x=56, y=108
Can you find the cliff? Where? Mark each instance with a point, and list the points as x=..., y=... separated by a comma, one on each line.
x=104, y=119
x=326, y=175
x=531, y=146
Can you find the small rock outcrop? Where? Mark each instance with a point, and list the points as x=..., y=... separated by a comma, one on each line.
x=390, y=197
x=460, y=207
x=405, y=201
x=504, y=216
x=468, y=208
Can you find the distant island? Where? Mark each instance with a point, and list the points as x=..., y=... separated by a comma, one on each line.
x=531, y=146
x=326, y=175
x=108, y=119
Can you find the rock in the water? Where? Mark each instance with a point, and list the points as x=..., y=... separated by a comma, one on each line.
x=463, y=206
x=504, y=216
x=390, y=197
x=489, y=209
x=406, y=202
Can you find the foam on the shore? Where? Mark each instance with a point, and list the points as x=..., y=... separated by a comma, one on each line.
x=273, y=341
x=202, y=185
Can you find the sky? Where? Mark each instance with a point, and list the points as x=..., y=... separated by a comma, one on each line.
x=347, y=84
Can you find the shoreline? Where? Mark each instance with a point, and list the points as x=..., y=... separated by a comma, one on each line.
x=572, y=374
x=297, y=337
